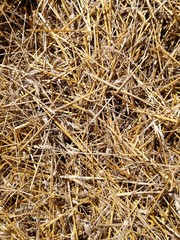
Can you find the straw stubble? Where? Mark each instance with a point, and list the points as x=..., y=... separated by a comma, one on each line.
x=89, y=119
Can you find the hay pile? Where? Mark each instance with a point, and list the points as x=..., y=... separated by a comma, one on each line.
x=89, y=119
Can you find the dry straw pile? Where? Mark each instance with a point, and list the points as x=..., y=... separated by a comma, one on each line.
x=89, y=119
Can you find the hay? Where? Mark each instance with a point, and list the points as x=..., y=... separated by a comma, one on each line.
x=89, y=119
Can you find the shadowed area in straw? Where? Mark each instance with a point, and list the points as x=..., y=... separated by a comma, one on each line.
x=89, y=119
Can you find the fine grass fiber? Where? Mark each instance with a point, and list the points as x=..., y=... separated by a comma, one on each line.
x=89, y=119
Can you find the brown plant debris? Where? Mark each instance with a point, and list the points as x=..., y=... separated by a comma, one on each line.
x=89, y=119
